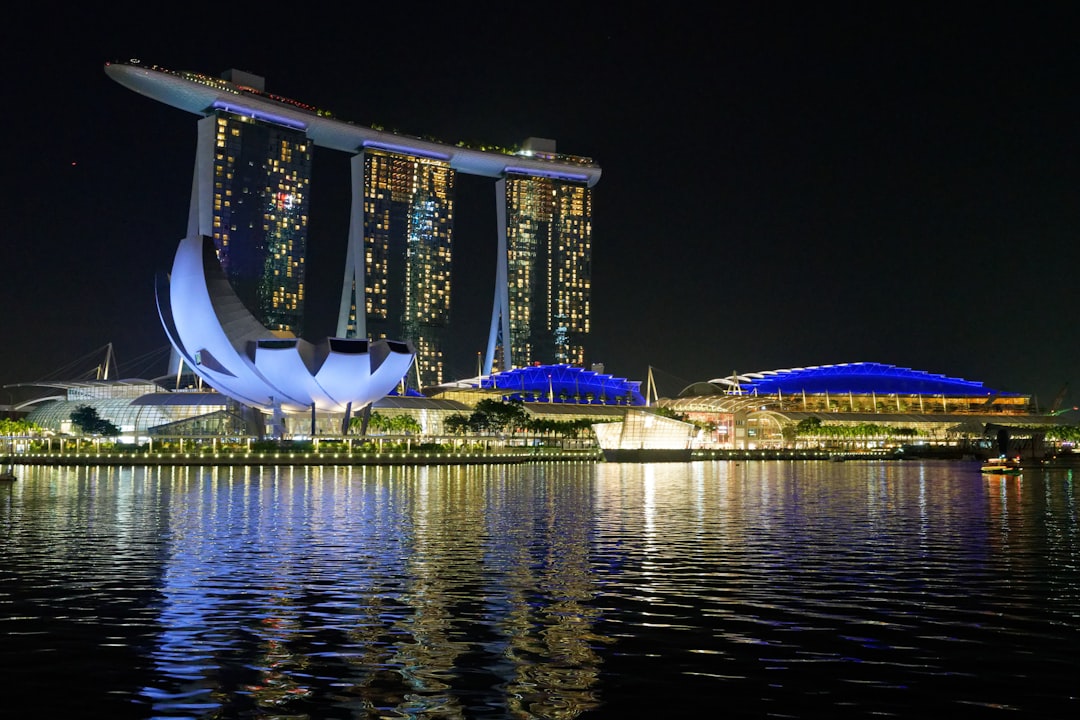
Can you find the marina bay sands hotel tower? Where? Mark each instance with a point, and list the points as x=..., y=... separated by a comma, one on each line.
x=251, y=193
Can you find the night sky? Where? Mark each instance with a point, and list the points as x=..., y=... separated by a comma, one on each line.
x=781, y=187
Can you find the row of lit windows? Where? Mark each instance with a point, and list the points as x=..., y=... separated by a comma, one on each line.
x=283, y=218
x=429, y=358
x=538, y=208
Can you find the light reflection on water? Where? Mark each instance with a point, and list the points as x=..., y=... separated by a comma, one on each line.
x=801, y=589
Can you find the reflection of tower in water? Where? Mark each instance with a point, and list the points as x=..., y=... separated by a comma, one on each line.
x=549, y=622
x=532, y=581
x=379, y=589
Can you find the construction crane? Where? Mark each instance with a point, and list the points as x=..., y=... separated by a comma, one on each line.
x=1055, y=407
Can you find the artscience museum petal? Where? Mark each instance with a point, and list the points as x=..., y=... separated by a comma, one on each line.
x=223, y=343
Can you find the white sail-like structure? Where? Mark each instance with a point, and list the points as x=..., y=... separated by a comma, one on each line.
x=223, y=343
x=644, y=436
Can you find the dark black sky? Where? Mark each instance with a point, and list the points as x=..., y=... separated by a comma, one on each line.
x=783, y=184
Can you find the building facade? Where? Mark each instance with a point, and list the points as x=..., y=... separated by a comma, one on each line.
x=405, y=231
x=254, y=178
x=544, y=306
x=763, y=409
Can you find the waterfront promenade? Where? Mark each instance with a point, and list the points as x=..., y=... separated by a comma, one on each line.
x=494, y=456
x=299, y=458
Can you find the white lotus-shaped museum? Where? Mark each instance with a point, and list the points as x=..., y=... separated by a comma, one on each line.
x=225, y=345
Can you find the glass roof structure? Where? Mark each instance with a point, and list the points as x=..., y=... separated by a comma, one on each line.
x=132, y=416
x=858, y=377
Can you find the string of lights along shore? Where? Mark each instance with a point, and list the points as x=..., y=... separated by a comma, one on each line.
x=251, y=194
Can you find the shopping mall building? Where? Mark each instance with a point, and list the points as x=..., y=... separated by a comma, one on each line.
x=766, y=409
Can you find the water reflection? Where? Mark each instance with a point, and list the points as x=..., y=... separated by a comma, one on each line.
x=394, y=592
x=549, y=591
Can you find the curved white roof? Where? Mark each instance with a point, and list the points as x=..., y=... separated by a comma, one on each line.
x=201, y=95
x=225, y=345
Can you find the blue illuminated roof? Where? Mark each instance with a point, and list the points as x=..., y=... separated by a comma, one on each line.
x=565, y=383
x=858, y=377
x=409, y=392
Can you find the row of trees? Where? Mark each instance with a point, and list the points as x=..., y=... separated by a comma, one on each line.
x=390, y=424
x=85, y=418
x=510, y=416
x=488, y=417
x=18, y=428
x=1063, y=433
x=814, y=427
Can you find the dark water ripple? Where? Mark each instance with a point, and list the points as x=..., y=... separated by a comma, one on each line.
x=768, y=589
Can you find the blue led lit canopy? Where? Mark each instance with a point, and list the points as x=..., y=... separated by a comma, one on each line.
x=564, y=383
x=859, y=377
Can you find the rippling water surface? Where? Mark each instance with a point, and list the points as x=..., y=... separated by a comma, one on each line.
x=753, y=589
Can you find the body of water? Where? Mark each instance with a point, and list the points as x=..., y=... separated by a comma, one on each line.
x=907, y=589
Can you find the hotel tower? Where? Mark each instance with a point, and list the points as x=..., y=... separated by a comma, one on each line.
x=251, y=194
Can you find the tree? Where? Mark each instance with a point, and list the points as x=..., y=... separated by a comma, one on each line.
x=1064, y=433
x=22, y=426
x=89, y=422
x=498, y=415
x=406, y=425
x=456, y=424
x=378, y=422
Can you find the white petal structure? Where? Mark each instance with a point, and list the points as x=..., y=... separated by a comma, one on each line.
x=226, y=346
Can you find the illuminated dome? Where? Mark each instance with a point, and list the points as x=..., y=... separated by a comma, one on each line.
x=859, y=377
x=564, y=383
x=223, y=343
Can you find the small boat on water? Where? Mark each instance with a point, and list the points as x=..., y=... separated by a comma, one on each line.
x=1001, y=466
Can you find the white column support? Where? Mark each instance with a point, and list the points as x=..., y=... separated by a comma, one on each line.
x=352, y=287
x=500, y=311
x=201, y=211
x=201, y=205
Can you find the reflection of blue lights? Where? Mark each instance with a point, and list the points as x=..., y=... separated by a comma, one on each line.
x=565, y=383
x=251, y=546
